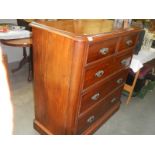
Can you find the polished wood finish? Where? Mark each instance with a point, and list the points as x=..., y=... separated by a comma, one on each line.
x=53, y=79
x=98, y=111
x=26, y=42
x=82, y=27
x=98, y=71
x=123, y=60
x=102, y=49
x=99, y=91
x=69, y=72
x=127, y=41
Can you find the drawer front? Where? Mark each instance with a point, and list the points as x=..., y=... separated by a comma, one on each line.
x=101, y=49
x=98, y=71
x=123, y=61
x=127, y=41
x=96, y=94
x=97, y=112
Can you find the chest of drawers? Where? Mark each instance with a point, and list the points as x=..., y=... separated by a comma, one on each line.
x=80, y=67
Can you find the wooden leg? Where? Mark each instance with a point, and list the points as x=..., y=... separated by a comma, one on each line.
x=30, y=76
x=22, y=62
x=130, y=88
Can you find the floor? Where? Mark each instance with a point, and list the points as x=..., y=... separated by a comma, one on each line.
x=137, y=118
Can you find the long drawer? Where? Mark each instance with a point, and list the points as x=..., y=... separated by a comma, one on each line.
x=89, y=118
x=98, y=71
x=100, y=91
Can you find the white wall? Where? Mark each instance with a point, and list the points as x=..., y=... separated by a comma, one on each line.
x=14, y=53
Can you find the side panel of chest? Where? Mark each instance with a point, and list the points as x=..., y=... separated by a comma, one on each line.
x=57, y=68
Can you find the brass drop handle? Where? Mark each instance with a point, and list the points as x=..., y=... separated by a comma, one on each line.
x=129, y=42
x=104, y=51
x=95, y=97
x=99, y=73
x=91, y=119
x=113, y=100
x=119, y=81
x=125, y=62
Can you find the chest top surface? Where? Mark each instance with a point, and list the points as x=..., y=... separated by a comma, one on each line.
x=80, y=27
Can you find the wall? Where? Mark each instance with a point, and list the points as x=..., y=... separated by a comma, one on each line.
x=14, y=53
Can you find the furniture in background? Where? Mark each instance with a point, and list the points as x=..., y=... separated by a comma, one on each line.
x=143, y=58
x=80, y=67
x=16, y=36
x=25, y=23
x=25, y=42
x=28, y=42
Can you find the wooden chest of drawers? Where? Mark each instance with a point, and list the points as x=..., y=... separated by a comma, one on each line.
x=80, y=67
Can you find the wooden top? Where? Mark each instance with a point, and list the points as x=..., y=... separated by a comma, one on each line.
x=80, y=27
x=26, y=42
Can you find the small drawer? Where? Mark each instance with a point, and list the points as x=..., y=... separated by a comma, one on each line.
x=98, y=71
x=127, y=42
x=123, y=60
x=97, y=93
x=101, y=49
x=89, y=118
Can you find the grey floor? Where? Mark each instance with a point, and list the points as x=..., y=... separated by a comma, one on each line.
x=137, y=118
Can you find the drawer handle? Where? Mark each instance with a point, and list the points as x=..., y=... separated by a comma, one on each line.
x=125, y=62
x=91, y=119
x=113, y=100
x=99, y=73
x=119, y=81
x=104, y=51
x=129, y=42
x=95, y=97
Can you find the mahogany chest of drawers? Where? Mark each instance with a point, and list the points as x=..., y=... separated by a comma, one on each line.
x=80, y=67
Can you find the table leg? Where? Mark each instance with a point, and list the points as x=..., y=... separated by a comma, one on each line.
x=22, y=62
x=30, y=76
x=130, y=88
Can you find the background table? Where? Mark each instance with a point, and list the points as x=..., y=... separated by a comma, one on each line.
x=25, y=42
x=137, y=62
